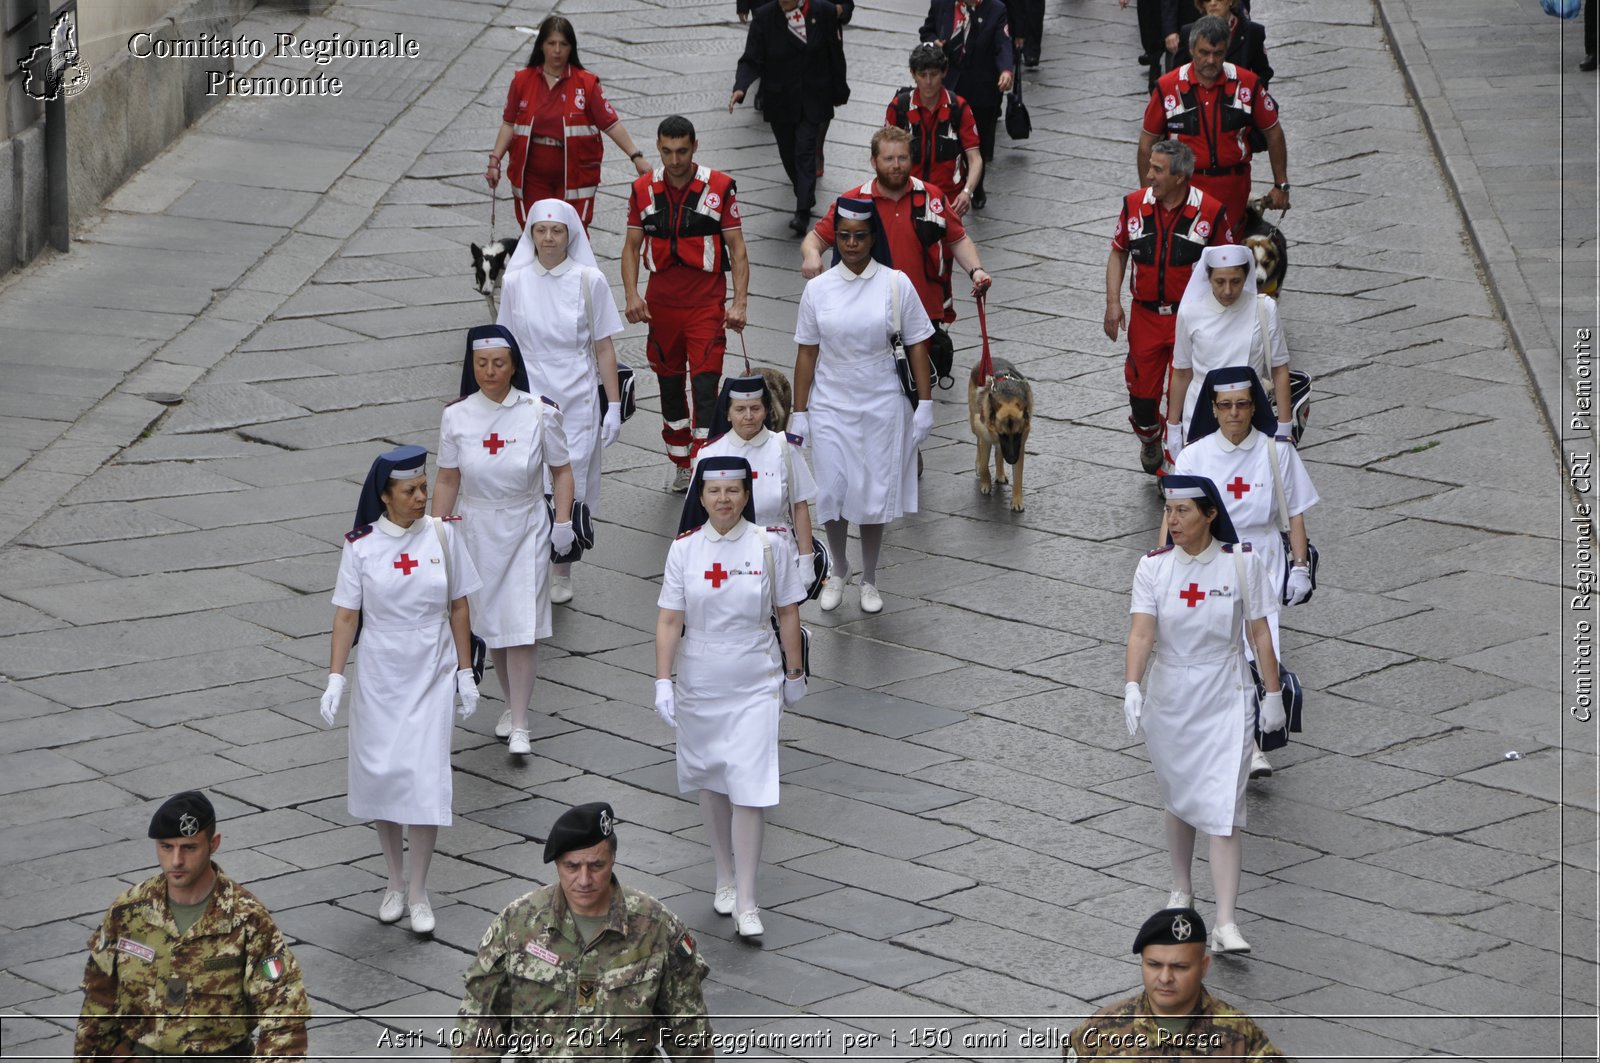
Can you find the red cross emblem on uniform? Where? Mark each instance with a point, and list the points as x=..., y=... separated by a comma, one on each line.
x=1192, y=595
x=1202, y=228
x=493, y=443
x=716, y=574
x=1237, y=488
x=405, y=564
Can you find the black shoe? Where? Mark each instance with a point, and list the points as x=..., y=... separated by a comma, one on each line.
x=1590, y=62
x=980, y=199
x=800, y=224
x=1032, y=62
x=1144, y=59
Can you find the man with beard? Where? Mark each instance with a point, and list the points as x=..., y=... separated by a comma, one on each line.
x=923, y=233
x=1211, y=106
x=683, y=221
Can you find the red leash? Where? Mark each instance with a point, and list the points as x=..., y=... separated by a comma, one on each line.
x=986, y=363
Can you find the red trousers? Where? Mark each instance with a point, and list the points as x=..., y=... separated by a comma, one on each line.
x=1234, y=191
x=1150, y=338
x=545, y=179
x=686, y=341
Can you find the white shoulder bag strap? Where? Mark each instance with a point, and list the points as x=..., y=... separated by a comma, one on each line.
x=1264, y=371
x=1277, y=484
x=444, y=548
x=896, y=338
x=766, y=556
x=588, y=303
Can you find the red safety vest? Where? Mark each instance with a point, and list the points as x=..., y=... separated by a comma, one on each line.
x=694, y=237
x=1220, y=137
x=936, y=151
x=581, y=141
x=927, y=224
x=1164, y=257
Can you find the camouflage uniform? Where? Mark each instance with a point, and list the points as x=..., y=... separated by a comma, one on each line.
x=198, y=993
x=1125, y=1030
x=536, y=993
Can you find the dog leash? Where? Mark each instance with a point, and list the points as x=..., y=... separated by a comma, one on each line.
x=746, y=352
x=986, y=363
x=493, y=202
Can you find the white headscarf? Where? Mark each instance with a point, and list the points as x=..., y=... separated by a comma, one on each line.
x=557, y=210
x=1197, y=296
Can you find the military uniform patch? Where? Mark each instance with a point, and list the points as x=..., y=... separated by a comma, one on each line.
x=272, y=968
x=136, y=948
x=533, y=948
x=686, y=945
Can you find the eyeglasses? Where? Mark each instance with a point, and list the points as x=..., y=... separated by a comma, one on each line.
x=1229, y=407
x=845, y=236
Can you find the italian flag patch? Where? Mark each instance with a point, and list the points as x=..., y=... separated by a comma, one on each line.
x=272, y=968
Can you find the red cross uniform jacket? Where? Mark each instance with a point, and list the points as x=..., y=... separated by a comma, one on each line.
x=585, y=115
x=1164, y=249
x=940, y=138
x=694, y=237
x=1219, y=132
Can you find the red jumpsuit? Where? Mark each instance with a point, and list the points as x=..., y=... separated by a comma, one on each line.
x=1215, y=123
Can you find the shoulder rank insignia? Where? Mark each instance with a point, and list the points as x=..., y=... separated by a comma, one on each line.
x=691, y=531
x=548, y=401
x=712, y=440
x=357, y=533
x=1243, y=548
x=796, y=440
x=1158, y=551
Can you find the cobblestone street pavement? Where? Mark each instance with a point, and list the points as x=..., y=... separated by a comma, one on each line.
x=967, y=838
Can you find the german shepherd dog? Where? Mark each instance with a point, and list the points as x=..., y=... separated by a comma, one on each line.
x=1001, y=415
x=782, y=398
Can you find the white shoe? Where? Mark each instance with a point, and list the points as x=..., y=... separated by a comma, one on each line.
x=833, y=590
x=519, y=742
x=871, y=600
x=1227, y=938
x=749, y=924
x=722, y=903
x=421, y=918
x=502, y=729
x=1176, y=899
x=560, y=589
x=1260, y=767
x=681, y=478
x=393, y=907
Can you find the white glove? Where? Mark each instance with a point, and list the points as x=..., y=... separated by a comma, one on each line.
x=666, y=703
x=1273, y=717
x=1285, y=432
x=1132, y=707
x=800, y=424
x=330, y=698
x=793, y=690
x=1174, y=440
x=562, y=536
x=806, y=565
x=611, y=427
x=467, y=687
x=922, y=422
x=1299, y=585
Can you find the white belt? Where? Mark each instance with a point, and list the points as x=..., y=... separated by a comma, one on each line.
x=489, y=503
x=367, y=625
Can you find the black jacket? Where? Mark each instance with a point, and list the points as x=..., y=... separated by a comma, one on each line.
x=846, y=8
x=797, y=80
x=975, y=67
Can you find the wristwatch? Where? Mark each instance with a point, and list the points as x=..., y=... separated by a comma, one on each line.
x=637, y=155
x=1284, y=187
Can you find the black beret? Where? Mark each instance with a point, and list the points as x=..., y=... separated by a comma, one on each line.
x=579, y=828
x=183, y=816
x=1171, y=926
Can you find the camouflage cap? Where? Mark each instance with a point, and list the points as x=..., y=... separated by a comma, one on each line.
x=1171, y=926
x=183, y=816
x=579, y=828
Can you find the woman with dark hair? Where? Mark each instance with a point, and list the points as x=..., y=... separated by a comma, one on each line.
x=742, y=426
x=403, y=584
x=495, y=443
x=1195, y=599
x=554, y=115
x=849, y=399
x=724, y=579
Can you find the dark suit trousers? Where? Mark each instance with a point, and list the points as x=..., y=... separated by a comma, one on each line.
x=798, y=139
x=1590, y=37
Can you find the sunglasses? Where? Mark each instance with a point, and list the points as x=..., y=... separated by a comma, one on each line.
x=1229, y=407
x=845, y=236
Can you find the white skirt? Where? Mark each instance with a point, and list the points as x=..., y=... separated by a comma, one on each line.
x=400, y=719
x=729, y=700
x=510, y=546
x=862, y=456
x=1199, y=724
